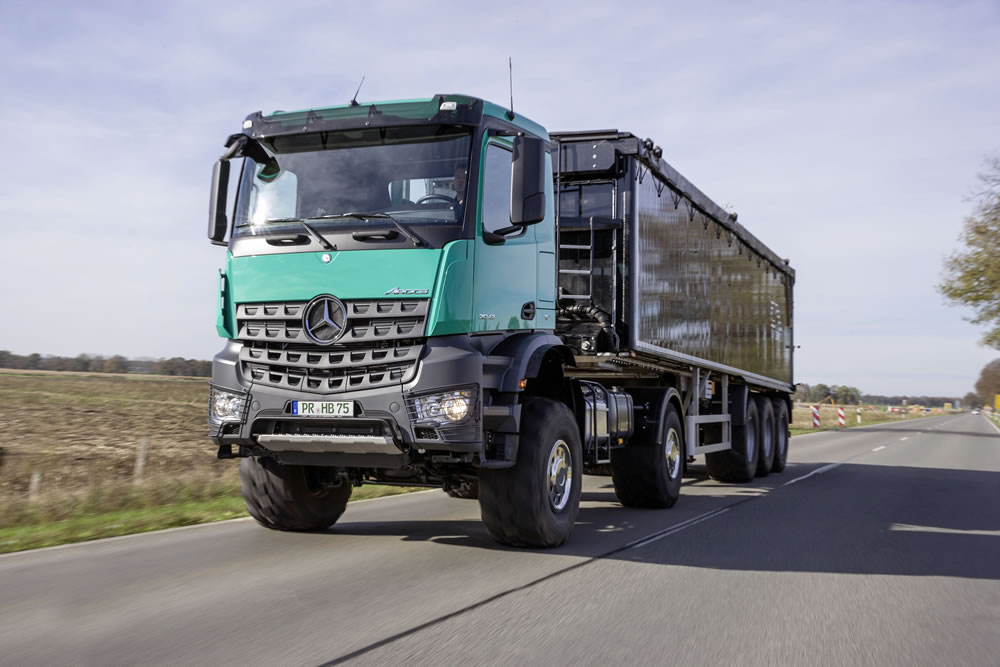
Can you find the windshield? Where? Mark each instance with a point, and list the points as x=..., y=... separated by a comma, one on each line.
x=415, y=174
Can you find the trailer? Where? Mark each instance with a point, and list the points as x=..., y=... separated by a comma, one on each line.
x=698, y=303
x=438, y=292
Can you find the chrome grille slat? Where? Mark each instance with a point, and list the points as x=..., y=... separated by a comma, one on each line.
x=380, y=348
x=331, y=359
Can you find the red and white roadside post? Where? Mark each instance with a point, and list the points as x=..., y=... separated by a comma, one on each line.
x=840, y=417
x=815, y=416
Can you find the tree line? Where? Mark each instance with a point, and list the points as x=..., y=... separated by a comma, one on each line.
x=95, y=363
x=987, y=386
x=845, y=395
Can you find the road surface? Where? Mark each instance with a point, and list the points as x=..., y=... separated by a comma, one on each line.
x=876, y=546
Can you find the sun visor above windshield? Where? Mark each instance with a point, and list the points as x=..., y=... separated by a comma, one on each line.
x=438, y=110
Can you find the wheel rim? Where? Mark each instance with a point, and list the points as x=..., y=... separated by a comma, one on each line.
x=751, y=438
x=673, y=453
x=782, y=439
x=768, y=440
x=560, y=475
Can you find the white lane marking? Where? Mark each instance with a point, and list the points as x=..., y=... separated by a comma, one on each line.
x=878, y=449
x=906, y=438
x=177, y=529
x=910, y=528
x=817, y=471
x=676, y=528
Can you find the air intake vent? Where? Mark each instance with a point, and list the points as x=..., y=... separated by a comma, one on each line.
x=380, y=347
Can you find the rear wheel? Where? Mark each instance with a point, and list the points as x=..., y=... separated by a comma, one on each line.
x=467, y=489
x=780, y=435
x=739, y=463
x=649, y=475
x=534, y=503
x=765, y=459
x=292, y=497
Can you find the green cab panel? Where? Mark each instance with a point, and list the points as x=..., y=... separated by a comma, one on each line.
x=442, y=275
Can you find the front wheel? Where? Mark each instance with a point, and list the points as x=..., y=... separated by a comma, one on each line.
x=292, y=497
x=466, y=489
x=534, y=503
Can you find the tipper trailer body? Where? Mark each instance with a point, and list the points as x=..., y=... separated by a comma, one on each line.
x=438, y=292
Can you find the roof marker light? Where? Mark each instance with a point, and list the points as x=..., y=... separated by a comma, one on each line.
x=448, y=106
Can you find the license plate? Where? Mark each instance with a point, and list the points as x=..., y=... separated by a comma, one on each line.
x=323, y=408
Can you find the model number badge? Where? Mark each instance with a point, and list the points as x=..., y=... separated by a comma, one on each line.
x=396, y=290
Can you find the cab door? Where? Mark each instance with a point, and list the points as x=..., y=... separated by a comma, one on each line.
x=505, y=276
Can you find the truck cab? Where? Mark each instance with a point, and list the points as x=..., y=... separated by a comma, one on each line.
x=390, y=271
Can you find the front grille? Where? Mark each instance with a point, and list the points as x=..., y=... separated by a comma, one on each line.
x=380, y=347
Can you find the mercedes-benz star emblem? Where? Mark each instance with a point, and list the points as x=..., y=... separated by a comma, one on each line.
x=325, y=319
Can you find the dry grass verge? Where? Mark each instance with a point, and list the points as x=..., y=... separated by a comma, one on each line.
x=78, y=437
x=802, y=417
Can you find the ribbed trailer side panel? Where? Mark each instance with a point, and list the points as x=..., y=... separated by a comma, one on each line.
x=702, y=291
x=683, y=281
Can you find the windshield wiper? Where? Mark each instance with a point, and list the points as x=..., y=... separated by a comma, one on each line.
x=416, y=240
x=309, y=228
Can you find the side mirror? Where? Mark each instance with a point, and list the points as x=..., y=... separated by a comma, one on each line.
x=218, y=224
x=527, y=190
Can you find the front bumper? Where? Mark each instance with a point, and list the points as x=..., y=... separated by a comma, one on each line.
x=381, y=426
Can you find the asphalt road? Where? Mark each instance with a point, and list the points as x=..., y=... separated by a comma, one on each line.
x=876, y=546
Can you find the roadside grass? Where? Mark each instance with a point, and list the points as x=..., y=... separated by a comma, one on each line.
x=44, y=524
x=802, y=418
x=78, y=437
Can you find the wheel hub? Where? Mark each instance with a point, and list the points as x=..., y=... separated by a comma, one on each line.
x=560, y=481
x=673, y=453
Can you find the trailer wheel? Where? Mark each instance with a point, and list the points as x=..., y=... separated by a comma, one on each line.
x=292, y=497
x=765, y=456
x=739, y=463
x=534, y=503
x=649, y=475
x=780, y=435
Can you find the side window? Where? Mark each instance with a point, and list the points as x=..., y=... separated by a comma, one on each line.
x=496, y=188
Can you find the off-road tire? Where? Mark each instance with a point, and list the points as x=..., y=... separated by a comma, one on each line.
x=738, y=464
x=466, y=490
x=781, y=439
x=765, y=459
x=290, y=497
x=514, y=502
x=641, y=473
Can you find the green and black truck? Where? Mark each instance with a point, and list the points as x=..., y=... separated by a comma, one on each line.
x=439, y=292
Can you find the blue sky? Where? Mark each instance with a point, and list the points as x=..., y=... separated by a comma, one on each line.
x=847, y=135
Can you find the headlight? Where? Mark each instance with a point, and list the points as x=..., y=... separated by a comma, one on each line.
x=225, y=405
x=443, y=408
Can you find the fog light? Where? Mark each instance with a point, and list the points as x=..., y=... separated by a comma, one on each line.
x=455, y=408
x=443, y=408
